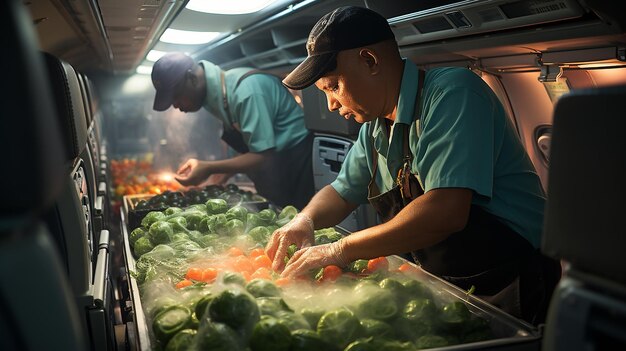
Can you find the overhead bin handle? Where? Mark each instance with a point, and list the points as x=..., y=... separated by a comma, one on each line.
x=101, y=276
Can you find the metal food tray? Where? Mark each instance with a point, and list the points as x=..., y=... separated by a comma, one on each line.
x=511, y=334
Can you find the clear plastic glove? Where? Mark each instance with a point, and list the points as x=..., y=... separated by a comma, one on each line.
x=192, y=172
x=314, y=257
x=298, y=231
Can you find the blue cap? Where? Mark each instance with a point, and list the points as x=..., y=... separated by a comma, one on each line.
x=167, y=72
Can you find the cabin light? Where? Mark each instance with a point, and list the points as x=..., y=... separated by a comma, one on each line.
x=155, y=55
x=144, y=69
x=176, y=36
x=228, y=7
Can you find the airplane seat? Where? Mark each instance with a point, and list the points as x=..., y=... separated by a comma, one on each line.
x=583, y=225
x=37, y=311
x=86, y=254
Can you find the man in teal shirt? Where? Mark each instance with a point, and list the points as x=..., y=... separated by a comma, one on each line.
x=261, y=120
x=436, y=157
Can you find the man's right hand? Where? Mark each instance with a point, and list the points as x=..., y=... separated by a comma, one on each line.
x=192, y=172
x=298, y=231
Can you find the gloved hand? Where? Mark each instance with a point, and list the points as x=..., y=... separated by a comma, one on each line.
x=298, y=231
x=315, y=257
x=192, y=172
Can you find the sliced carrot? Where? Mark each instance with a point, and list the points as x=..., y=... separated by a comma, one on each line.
x=331, y=273
x=377, y=264
x=262, y=261
x=246, y=276
x=209, y=275
x=235, y=251
x=194, y=273
x=243, y=264
x=406, y=268
x=262, y=273
x=183, y=283
x=282, y=281
x=256, y=252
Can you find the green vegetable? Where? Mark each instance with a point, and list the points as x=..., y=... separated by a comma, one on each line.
x=182, y=341
x=286, y=215
x=202, y=304
x=308, y=340
x=416, y=289
x=339, y=327
x=142, y=246
x=233, y=278
x=194, y=218
x=326, y=236
x=172, y=210
x=358, y=266
x=430, y=341
x=455, y=313
x=197, y=208
x=291, y=320
x=205, y=224
x=237, y=212
x=216, y=337
x=477, y=329
x=159, y=304
x=234, y=308
x=270, y=335
x=233, y=227
x=270, y=306
x=291, y=249
x=208, y=240
x=215, y=206
x=218, y=224
x=160, y=233
x=361, y=345
x=195, y=235
x=397, y=289
x=268, y=216
x=418, y=309
x=312, y=315
x=261, y=287
x=180, y=237
x=260, y=235
x=376, y=328
x=170, y=321
x=152, y=217
x=379, y=305
x=135, y=235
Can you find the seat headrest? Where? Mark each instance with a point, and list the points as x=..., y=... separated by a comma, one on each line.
x=69, y=105
x=30, y=141
x=587, y=182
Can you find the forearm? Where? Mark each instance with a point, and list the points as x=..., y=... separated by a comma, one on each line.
x=327, y=208
x=424, y=222
x=243, y=163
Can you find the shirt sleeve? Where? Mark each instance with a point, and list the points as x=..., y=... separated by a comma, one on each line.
x=456, y=147
x=354, y=176
x=255, y=114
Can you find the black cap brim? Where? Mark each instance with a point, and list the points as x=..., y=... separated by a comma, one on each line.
x=309, y=71
x=163, y=100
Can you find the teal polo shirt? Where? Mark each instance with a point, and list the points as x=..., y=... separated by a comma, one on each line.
x=264, y=110
x=463, y=140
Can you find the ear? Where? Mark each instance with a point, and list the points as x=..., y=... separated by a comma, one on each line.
x=192, y=77
x=370, y=58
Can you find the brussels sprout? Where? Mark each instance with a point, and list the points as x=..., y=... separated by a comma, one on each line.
x=340, y=327
x=194, y=218
x=233, y=278
x=326, y=236
x=219, y=224
x=202, y=304
x=152, y=217
x=235, y=308
x=292, y=321
x=286, y=215
x=271, y=305
x=418, y=309
x=209, y=240
x=197, y=208
x=308, y=340
x=180, y=237
x=182, y=341
x=416, y=289
x=216, y=206
x=158, y=305
x=260, y=235
x=233, y=227
x=270, y=335
x=430, y=341
x=380, y=305
x=397, y=289
x=267, y=215
x=170, y=321
x=179, y=224
x=205, y=224
x=172, y=210
x=142, y=246
x=185, y=247
x=237, y=212
x=455, y=314
x=312, y=315
x=261, y=287
x=160, y=233
x=195, y=235
x=135, y=235
x=376, y=328
x=216, y=337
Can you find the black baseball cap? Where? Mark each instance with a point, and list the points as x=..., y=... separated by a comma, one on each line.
x=167, y=72
x=344, y=28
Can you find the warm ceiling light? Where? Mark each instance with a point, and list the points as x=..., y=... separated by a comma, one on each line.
x=144, y=69
x=155, y=55
x=175, y=36
x=237, y=7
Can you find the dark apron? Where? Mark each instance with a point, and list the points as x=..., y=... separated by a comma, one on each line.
x=286, y=178
x=505, y=269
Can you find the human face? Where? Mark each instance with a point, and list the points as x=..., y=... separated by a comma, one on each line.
x=188, y=96
x=351, y=88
